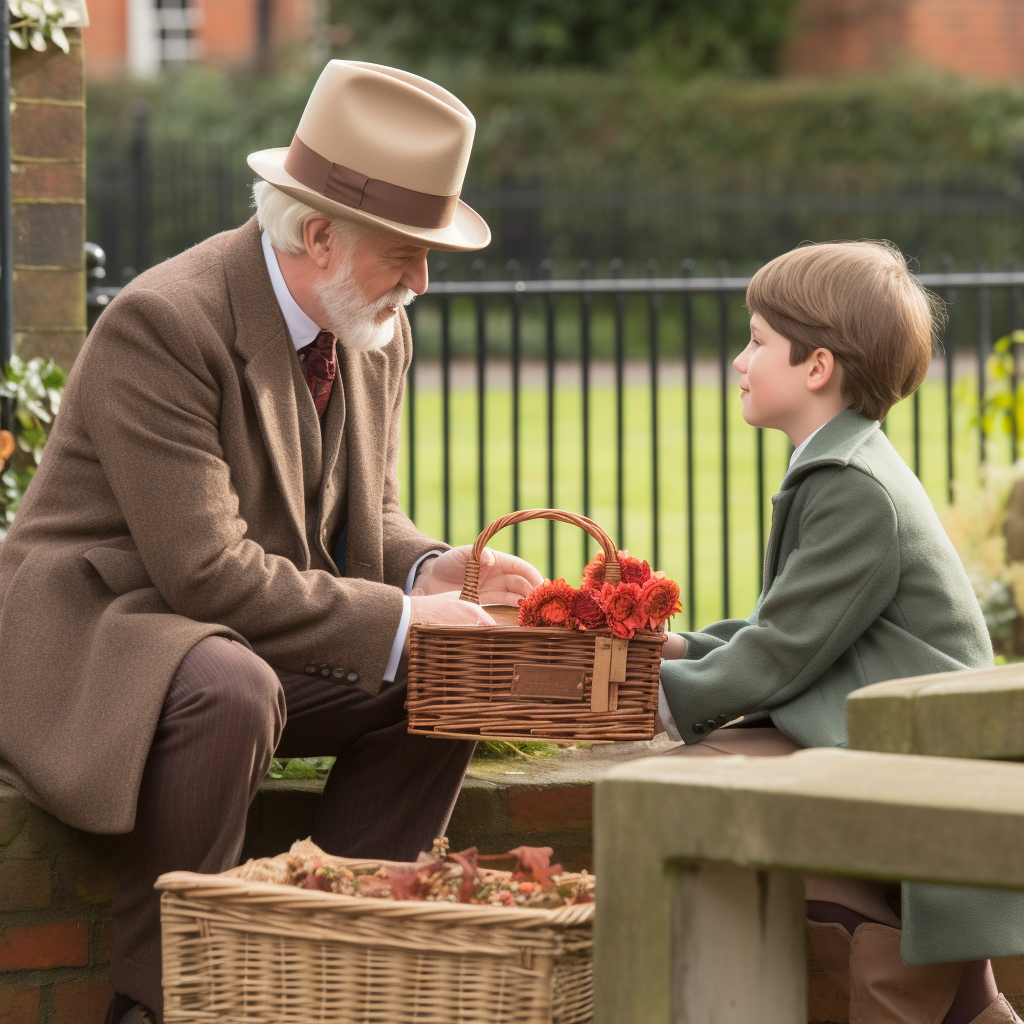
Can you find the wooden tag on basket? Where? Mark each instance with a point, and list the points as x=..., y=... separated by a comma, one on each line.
x=609, y=670
x=552, y=681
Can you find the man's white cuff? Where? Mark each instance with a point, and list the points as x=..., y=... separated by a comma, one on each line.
x=403, y=626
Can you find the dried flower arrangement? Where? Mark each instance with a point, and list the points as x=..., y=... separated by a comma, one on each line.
x=643, y=599
x=438, y=877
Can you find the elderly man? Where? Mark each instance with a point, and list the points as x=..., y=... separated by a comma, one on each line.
x=211, y=564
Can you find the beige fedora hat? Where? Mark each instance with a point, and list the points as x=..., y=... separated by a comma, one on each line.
x=383, y=148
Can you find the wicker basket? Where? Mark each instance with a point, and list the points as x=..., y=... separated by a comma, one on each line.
x=511, y=682
x=242, y=952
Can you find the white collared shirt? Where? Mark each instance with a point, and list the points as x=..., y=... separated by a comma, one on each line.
x=301, y=329
x=303, y=332
x=799, y=449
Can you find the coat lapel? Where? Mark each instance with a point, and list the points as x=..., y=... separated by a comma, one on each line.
x=363, y=389
x=334, y=416
x=781, y=504
x=272, y=370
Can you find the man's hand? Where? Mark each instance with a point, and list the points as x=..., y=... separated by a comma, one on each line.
x=504, y=579
x=444, y=610
x=675, y=647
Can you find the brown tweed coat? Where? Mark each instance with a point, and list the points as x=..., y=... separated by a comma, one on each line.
x=187, y=490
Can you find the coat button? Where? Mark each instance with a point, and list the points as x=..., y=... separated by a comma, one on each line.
x=698, y=727
x=338, y=673
x=325, y=671
x=310, y=669
x=352, y=677
x=710, y=725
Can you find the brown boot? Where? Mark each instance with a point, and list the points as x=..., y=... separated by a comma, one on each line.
x=831, y=945
x=883, y=990
x=999, y=1011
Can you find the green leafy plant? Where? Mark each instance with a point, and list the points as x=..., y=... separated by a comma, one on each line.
x=32, y=22
x=300, y=767
x=36, y=387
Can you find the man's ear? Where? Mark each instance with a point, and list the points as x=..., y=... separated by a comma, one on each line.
x=821, y=366
x=317, y=237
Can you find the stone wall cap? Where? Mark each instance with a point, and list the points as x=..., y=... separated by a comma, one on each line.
x=829, y=811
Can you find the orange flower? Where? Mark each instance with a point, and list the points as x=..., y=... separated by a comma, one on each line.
x=660, y=599
x=624, y=608
x=547, y=605
x=586, y=613
x=633, y=570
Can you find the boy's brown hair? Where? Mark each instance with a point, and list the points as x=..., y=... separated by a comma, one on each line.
x=860, y=301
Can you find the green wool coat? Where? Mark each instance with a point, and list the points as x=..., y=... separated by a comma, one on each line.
x=860, y=585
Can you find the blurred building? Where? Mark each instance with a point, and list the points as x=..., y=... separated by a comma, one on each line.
x=141, y=37
x=977, y=38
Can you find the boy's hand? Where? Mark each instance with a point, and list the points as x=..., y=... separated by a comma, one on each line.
x=675, y=647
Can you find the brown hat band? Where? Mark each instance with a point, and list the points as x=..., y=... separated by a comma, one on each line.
x=371, y=195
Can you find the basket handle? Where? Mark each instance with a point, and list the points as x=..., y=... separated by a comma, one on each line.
x=611, y=555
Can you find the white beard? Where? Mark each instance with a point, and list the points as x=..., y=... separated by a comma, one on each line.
x=358, y=325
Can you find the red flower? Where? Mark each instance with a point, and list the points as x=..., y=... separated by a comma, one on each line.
x=632, y=570
x=548, y=605
x=586, y=613
x=624, y=608
x=660, y=599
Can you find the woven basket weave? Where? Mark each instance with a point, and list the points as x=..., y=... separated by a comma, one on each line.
x=242, y=952
x=511, y=682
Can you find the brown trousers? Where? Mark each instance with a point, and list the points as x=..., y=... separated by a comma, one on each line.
x=227, y=713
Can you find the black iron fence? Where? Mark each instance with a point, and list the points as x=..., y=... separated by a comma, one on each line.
x=616, y=397
x=152, y=194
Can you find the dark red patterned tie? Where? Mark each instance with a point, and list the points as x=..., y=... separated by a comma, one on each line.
x=319, y=364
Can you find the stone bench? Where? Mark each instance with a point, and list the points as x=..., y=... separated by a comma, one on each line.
x=701, y=915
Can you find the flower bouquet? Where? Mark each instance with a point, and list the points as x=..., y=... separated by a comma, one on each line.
x=583, y=664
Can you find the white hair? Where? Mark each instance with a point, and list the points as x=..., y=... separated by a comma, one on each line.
x=359, y=325
x=283, y=219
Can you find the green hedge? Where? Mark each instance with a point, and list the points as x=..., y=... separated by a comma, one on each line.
x=573, y=128
x=681, y=37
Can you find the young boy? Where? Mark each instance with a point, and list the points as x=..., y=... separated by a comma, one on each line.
x=860, y=585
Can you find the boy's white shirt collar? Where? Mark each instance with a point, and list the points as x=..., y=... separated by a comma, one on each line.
x=799, y=450
x=301, y=329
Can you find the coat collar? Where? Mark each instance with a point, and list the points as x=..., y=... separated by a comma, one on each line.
x=835, y=444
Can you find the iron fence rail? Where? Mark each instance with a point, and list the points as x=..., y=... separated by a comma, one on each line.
x=642, y=341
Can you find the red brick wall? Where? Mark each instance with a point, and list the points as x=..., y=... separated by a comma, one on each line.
x=48, y=186
x=106, y=38
x=978, y=38
x=55, y=890
x=228, y=32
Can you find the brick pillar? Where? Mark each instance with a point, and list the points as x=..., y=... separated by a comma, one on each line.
x=55, y=890
x=48, y=185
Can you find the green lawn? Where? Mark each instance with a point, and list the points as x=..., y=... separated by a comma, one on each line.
x=744, y=569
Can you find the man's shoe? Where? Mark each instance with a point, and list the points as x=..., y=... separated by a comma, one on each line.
x=999, y=1011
